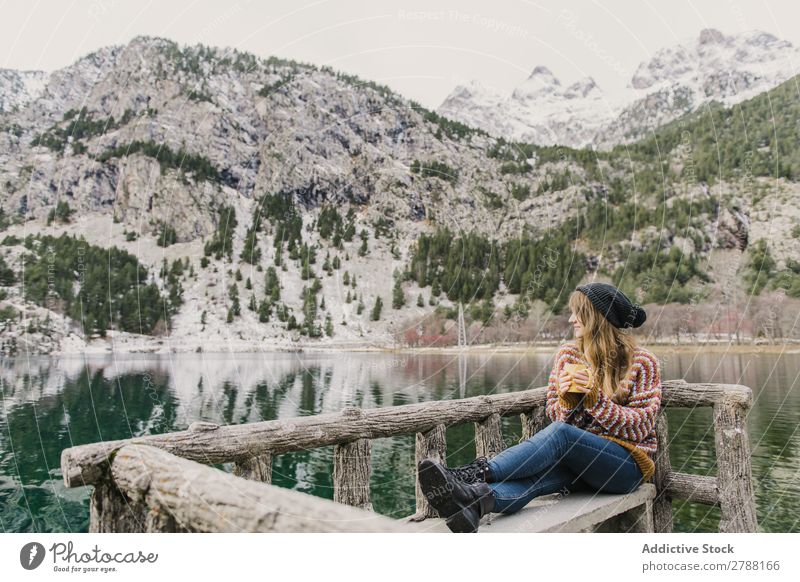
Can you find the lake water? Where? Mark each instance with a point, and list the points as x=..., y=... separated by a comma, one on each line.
x=51, y=404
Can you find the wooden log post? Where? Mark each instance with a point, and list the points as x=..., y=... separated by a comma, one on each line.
x=697, y=488
x=533, y=421
x=734, y=477
x=489, y=437
x=257, y=468
x=110, y=510
x=352, y=467
x=351, y=472
x=662, y=504
x=431, y=444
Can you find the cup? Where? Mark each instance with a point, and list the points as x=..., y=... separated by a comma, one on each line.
x=573, y=369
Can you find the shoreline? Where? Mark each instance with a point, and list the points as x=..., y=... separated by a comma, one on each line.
x=239, y=347
x=672, y=348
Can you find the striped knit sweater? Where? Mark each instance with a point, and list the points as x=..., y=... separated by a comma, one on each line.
x=628, y=418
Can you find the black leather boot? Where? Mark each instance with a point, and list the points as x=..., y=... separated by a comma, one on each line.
x=477, y=471
x=462, y=505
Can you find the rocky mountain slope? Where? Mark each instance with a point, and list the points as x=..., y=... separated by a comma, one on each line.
x=18, y=88
x=263, y=125
x=677, y=80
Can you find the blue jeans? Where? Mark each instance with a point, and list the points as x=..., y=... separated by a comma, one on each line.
x=561, y=457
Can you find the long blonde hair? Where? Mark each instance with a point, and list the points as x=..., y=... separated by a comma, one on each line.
x=608, y=349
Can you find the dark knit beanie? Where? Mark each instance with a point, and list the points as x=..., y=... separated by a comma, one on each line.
x=614, y=305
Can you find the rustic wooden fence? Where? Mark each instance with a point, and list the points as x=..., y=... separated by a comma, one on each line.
x=157, y=487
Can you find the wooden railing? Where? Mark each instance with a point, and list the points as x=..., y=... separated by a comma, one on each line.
x=123, y=501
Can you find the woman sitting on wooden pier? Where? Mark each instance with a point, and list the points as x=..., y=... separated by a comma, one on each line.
x=602, y=435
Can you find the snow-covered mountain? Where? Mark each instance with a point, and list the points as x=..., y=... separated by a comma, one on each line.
x=675, y=81
x=540, y=110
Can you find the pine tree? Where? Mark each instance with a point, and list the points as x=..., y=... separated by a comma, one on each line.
x=328, y=326
x=272, y=285
x=420, y=301
x=264, y=311
x=376, y=309
x=233, y=294
x=305, y=272
x=360, y=306
x=310, y=310
x=251, y=252
x=398, y=297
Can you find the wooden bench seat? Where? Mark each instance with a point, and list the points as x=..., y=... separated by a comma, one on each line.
x=576, y=512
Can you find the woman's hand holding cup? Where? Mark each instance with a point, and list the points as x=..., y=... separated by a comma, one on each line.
x=581, y=382
x=564, y=382
x=579, y=378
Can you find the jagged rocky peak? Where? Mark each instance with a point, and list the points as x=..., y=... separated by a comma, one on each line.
x=143, y=51
x=541, y=82
x=148, y=42
x=583, y=88
x=759, y=38
x=711, y=36
x=713, y=52
x=544, y=76
x=473, y=89
x=667, y=63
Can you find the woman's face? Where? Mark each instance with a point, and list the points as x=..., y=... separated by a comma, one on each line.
x=577, y=326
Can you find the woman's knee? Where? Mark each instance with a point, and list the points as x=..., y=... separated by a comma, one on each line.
x=564, y=429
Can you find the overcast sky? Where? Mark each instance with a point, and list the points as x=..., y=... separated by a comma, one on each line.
x=423, y=50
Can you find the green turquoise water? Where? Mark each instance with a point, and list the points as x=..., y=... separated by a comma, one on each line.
x=49, y=404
